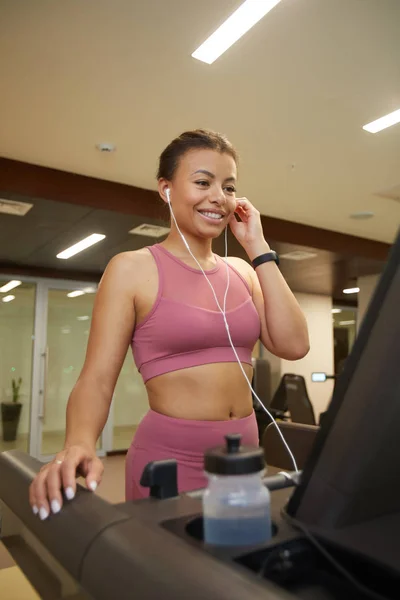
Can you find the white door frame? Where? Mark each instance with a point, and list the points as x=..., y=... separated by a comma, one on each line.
x=39, y=360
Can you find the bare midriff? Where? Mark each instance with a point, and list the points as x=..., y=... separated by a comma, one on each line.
x=211, y=392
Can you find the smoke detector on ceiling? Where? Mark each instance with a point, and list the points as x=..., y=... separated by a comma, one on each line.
x=298, y=255
x=106, y=147
x=148, y=230
x=12, y=207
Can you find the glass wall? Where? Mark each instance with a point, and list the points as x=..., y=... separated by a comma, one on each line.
x=62, y=329
x=68, y=324
x=55, y=340
x=17, y=315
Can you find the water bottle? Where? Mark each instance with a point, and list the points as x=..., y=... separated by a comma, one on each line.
x=236, y=504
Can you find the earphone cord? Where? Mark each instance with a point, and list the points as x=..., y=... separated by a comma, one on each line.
x=223, y=312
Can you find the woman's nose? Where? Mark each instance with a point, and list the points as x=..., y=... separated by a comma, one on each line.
x=218, y=196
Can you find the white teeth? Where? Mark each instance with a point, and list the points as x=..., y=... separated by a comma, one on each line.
x=211, y=215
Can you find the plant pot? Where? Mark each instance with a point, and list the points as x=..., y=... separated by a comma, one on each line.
x=10, y=414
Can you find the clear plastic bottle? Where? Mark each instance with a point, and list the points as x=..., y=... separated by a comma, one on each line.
x=236, y=504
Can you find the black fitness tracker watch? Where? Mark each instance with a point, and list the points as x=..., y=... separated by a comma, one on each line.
x=263, y=258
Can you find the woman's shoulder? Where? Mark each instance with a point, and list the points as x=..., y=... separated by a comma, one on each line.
x=240, y=265
x=131, y=265
x=132, y=258
x=243, y=267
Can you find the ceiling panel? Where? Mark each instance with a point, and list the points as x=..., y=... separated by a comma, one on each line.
x=292, y=95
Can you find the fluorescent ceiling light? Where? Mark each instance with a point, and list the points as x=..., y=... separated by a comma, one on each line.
x=384, y=122
x=336, y=310
x=90, y=290
x=346, y=322
x=243, y=19
x=354, y=290
x=83, y=318
x=82, y=245
x=8, y=298
x=75, y=294
x=10, y=286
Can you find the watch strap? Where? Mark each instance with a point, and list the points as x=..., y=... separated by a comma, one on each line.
x=263, y=258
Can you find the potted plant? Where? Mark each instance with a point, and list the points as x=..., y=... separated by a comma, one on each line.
x=11, y=411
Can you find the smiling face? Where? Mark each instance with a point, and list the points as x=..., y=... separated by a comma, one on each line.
x=202, y=192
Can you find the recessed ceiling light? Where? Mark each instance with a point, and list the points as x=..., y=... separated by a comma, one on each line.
x=362, y=215
x=243, y=19
x=336, y=310
x=8, y=298
x=82, y=245
x=75, y=294
x=83, y=318
x=106, y=147
x=347, y=322
x=354, y=290
x=10, y=286
x=384, y=122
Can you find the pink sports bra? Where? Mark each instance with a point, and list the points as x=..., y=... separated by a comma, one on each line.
x=185, y=327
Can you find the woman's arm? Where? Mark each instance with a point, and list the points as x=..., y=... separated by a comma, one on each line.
x=284, y=329
x=113, y=322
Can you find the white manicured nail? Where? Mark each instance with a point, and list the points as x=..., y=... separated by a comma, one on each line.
x=55, y=506
x=43, y=514
x=69, y=492
x=93, y=486
x=35, y=509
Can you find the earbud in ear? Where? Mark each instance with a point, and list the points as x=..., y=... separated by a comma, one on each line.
x=167, y=192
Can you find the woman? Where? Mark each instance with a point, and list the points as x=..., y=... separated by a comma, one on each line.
x=158, y=300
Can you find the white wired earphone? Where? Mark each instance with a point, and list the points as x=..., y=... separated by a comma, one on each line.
x=223, y=312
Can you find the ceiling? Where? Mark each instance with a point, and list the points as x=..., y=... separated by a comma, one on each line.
x=33, y=241
x=292, y=95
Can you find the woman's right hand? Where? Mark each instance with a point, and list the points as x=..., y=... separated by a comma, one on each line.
x=58, y=477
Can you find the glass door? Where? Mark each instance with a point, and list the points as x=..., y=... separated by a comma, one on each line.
x=60, y=353
x=17, y=320
x=44, y=329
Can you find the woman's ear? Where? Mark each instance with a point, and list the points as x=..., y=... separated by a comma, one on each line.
x=163, y=185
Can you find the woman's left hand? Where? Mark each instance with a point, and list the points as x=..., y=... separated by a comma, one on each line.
x=248, y=231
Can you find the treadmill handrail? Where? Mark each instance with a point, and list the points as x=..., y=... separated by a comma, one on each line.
x=106, y=550
x=81, y=521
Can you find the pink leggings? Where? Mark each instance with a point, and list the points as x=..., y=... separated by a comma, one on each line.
x=159, y=437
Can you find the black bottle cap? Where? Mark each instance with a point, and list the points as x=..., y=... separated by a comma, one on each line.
x=234, y=459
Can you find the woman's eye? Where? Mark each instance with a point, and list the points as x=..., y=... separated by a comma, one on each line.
x=230, y=189
x=202, y=183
